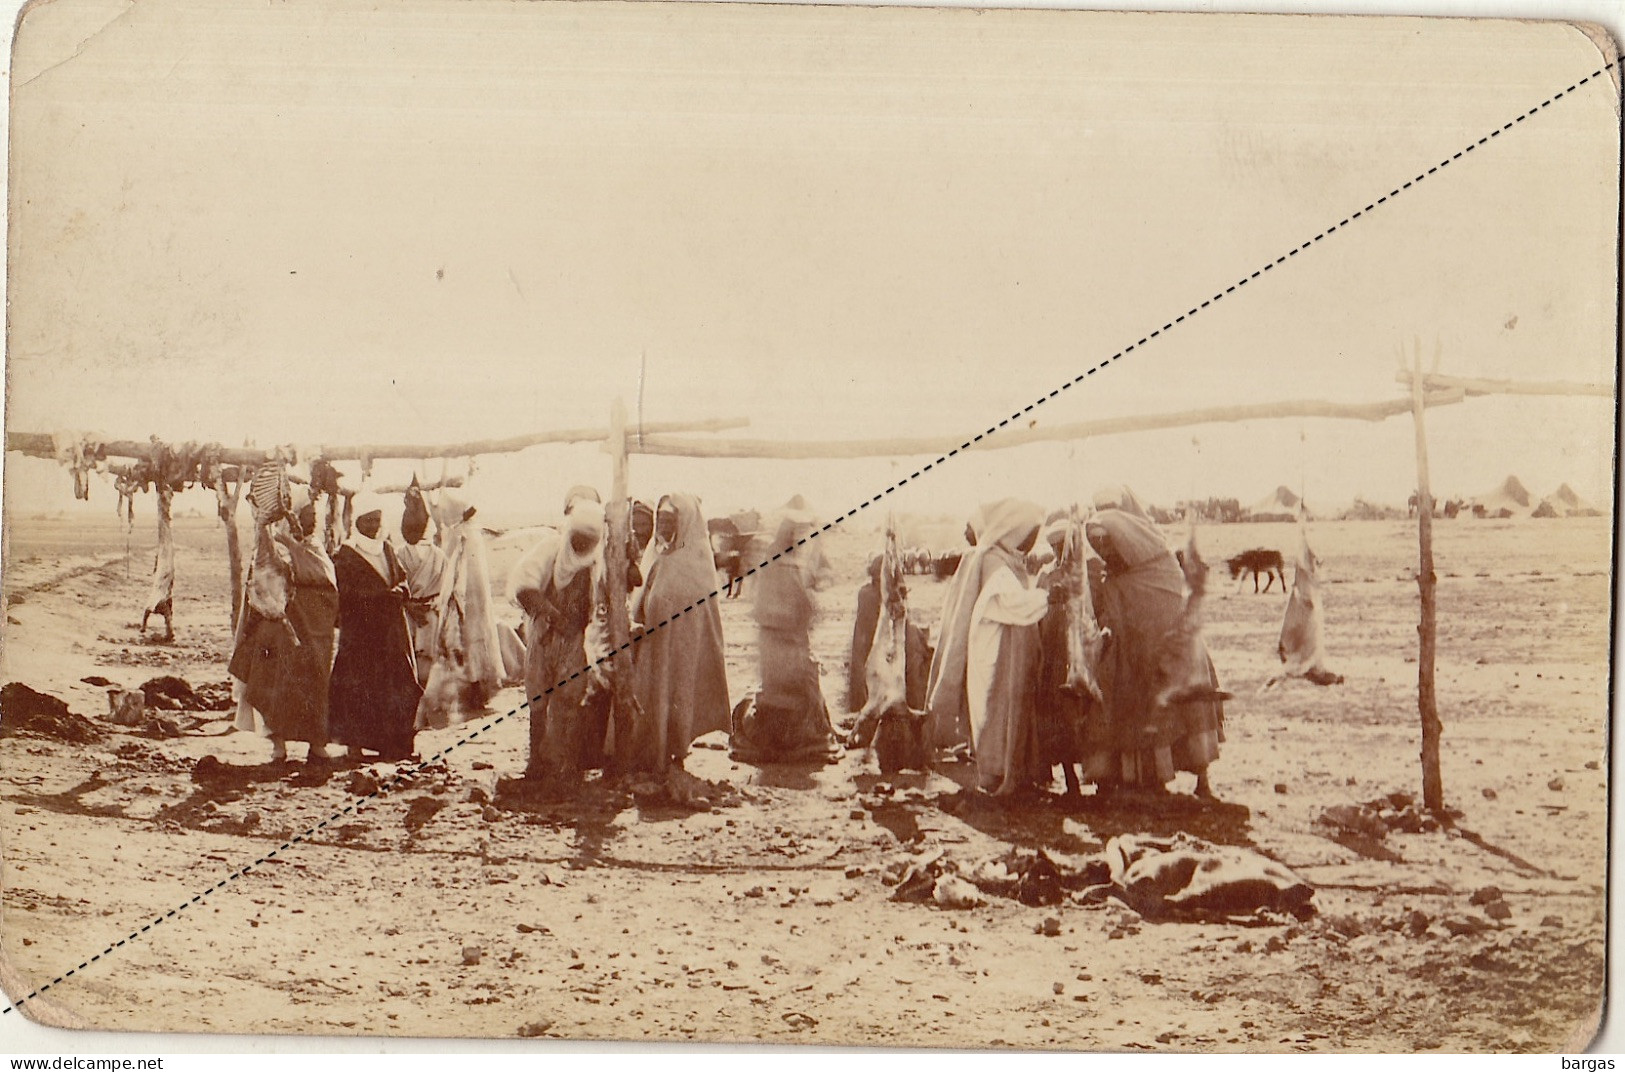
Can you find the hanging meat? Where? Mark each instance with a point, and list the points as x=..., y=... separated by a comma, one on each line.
x=270, y=580
x=1084, y=638
x=1301, y=646
x=897, y=732
x=1185, y=673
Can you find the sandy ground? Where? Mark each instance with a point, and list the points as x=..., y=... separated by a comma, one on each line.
x=764, y=916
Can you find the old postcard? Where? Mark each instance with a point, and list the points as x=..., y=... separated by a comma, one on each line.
x=820, y=525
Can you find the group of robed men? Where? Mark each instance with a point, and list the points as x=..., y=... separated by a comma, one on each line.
x=417, y=641
x=998, y=693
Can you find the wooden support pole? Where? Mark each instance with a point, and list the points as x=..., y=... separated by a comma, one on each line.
x=1426, y=699
x=616, y=540
x=1474, y=387
x=227, y=506
x=42, y=446
x=1015, y=437
x=161, y=600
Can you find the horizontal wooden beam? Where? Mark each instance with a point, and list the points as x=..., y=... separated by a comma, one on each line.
x=1015, y=437
x=41, y=445
x=1474, y=387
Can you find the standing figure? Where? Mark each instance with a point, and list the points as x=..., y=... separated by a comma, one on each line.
x=1135, y=741
x=863, y=638
x=467, y=646
x=374, y=693
x=788, y=721
x=425, y=567
x=947, y=722
x=285, y=665
x=679, y=676
x=555, y=585
x=997, y=645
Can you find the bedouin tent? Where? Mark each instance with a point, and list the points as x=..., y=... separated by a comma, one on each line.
x=1508, y=499
x=1279, y=505
x=1564, y=502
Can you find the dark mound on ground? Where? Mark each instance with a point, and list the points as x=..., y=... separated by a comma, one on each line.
x=22, y=710
x=170, y=693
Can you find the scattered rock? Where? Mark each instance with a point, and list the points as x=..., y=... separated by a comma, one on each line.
x=1280, y=787
x=1461, y=925
x=1555, y=785
x=799, y=1021
x=1498, y=910
x=1059, y=988
x=1489, y=794
x=954, y=892
x=126, y=707
x=1401, y=800
x=480, y=764
x=421, y=810
x=1050, y=928
x=208, y=769
x=362, y=783
x=1485, y=895
x=1355, y=819
x=856, y=813
x=1416, y=923
x=471, y=955
x=490, y=814
x=1591, y=764
x=97, y=680
x=1551, y=921
x=535, y=1029
x=531, y=928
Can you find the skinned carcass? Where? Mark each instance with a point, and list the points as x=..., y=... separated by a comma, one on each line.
x=1184, y=671
x=1085, y=640
x=270, y=580
x=896, y=732
x=1301, y=646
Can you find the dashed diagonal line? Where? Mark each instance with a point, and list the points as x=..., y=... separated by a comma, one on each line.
x=389, y=785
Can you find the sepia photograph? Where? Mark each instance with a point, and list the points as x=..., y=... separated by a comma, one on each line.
x=937, y=528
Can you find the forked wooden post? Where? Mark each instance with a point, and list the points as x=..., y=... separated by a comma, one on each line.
x=615, y=577
x=1426, y=699
x=227, y=508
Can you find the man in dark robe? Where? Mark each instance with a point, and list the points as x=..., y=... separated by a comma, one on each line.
x=374, y=695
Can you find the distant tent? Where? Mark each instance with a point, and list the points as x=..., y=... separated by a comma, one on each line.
x=1509, y=499
x=1565, y=503
x=1279, y=505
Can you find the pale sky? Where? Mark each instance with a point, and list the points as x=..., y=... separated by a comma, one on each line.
x=438, y=221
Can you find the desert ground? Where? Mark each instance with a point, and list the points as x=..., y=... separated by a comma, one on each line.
x=763, y=913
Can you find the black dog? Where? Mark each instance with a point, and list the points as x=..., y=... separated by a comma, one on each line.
x=1257, y=561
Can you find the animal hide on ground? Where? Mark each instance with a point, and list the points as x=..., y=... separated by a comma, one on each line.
x=1182, y=876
